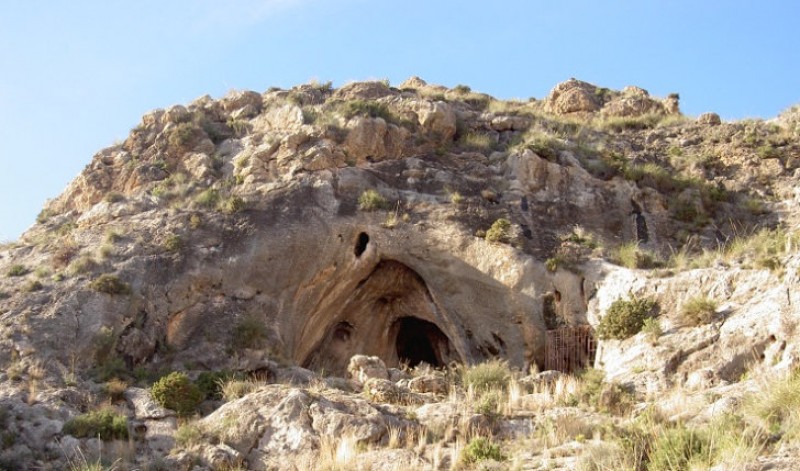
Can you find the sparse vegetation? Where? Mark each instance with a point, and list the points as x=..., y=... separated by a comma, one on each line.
x=477, y=141
x=110, y=284
x=17, y=270
x=81, y=265
x=233, y=204
x=113, y=197
x=652, y=328
x=625, y=318
x=481, y=449
x=250, y=332
x=371, y=200
x=631, y=255
x=177, y=392
x=625, y=123
x=208, y=198
x=188, y=434
x=500, y=231
x=184, y=136
x=371, y=109
x=33, y=285
x=173, y=243
x=493, y=374
x=698, y=310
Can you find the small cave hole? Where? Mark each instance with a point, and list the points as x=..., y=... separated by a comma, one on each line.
x=419, y=341
x=361, y=243
x=343, y=331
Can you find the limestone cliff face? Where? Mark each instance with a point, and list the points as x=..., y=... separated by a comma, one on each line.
x=312, y=224
x=248, y=208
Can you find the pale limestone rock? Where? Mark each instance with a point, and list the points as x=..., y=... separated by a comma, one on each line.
x=364, y=91
x=632, y=105
x=177, y=114
x=382, y=391
x=573, y=96
x=362, y=367
x=437, y=118
x=711, y=119
x=199, y=165
x=287, y=118
x=430, y=383
x=237, y=100
x=277, y=425
x=366, y=139
x=510, y=123
x=703, y=378
x=144, y=407
x=413, y=82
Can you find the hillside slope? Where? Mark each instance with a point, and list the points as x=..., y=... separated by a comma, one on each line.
x=275, y=236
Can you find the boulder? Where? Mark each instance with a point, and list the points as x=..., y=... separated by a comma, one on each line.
x=436, y=118
x=236, y=100
x=430, y=383
x=362, y=368
x=413, y=82
x=364, y=91
x=573, y=96
x=710, y=119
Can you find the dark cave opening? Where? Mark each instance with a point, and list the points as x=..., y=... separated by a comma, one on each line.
x=361, y=244
x=419, y=341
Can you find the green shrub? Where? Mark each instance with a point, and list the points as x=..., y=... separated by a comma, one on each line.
x=477, y=141
x=105, y=424
x=553, y=263
x=778, y=406
x=621, y=123
x=698, y=310
x=33, y=285
x=184, y=135
x=371, y=200
x=210, y=383
x=493, y=374
x=250, y=332
x=480, y=449
x=678, y=448
x=652, y=328
x=113, y=197
x=366, y=108
x=175, y=391
x=630, y=255
x=173, y=243
x=208, y=198
x=488, y=403
x=231, y=205
x=624, y=318
x=17, y=270
x=110, y=284
x=115, y=389
x=188, y=434
x=500, y=231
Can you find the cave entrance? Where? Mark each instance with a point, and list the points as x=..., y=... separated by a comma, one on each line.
x=570, y=349
x=389, y=314
x=419, y=341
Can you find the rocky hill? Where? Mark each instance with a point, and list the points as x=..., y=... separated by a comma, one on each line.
x=373, y=277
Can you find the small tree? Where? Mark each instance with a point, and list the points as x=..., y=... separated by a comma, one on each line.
x=625, y=318
x=500, y=231
x=177, y=392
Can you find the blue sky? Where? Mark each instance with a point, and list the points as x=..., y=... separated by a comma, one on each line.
x=78, y=75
